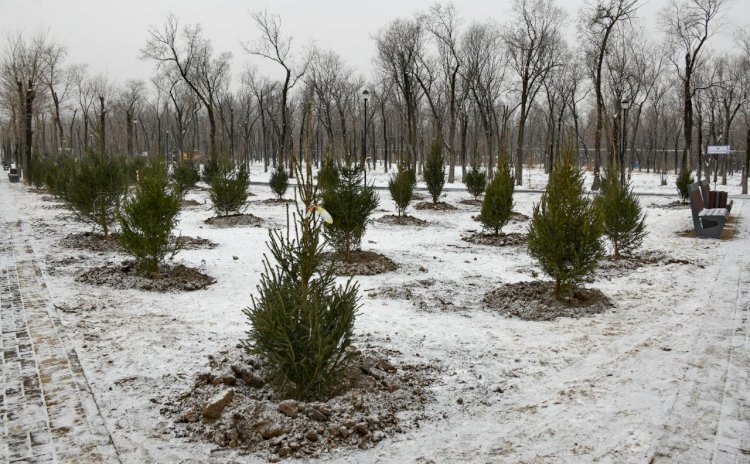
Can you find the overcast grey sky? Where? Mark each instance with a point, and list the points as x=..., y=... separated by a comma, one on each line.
x=107, y=35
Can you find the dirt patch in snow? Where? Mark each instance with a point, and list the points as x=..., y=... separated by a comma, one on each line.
x=499, y=240
x=673, y=205
x=610, y=267
x=91, y=241
x=186, y=242
x=126, y=276
x=378, y=399
x=276, y=201
x=514, y=217
x=404, y=220
x=439, y=206
x=472, y=202
x=361, y=263
x=535, y=301
x=235, y=220
x=191, y=202
x=417, y=197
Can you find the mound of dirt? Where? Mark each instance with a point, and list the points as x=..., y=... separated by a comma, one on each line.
x=673, y=205
x=235, y=220
x=361, y=263
x=417, y=197
x=126, y=276
x=514, y=217
x=472, y=202
x=233, y=406
x=91, y=241
x=404, y=220
x=191, y=202
x=439, y=206
x=499, y=240
x=535, y=301
x=276, y=201
x=186, y=242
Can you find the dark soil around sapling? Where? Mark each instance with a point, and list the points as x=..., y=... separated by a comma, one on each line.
x=672, y=205
x=379, y=399
x=235, y=220
x=417, y=197
x=361, y=263
x=404, y=220
x=127, y=276
x=611, y=267
x=515, y=216
x=276, y=201
x=92, y=241
x=191, y=202
x=185, y=242
x=499, y=240
x=535, y=301
x=472, y=202
x=439, y=206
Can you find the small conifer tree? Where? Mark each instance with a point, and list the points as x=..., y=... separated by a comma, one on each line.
x=434, y=170
x=401, y=185
x=350, y=203
x=279, y=181
x=682, y=182
x=185, y=174
x=475, y=180
x=498, y=199
x=302, y=323
x=148, y=217
x=96, y=188
x=58, y=175
x=229, y=184
x=133, y=167
x=565, y=230
x=622, y=216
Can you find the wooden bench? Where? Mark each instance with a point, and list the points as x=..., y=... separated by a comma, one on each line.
x=714, y=198
x=708, y=222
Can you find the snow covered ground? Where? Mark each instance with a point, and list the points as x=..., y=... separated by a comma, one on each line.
x=615, y=387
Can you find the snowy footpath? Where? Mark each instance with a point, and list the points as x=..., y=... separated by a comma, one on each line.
x=662, y=377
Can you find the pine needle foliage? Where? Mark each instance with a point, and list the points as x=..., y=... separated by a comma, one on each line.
x=229, y=187
x=476, y=180
x=498, y=199
x=565, y=230
x=401, y=186
x=434, y=170
x=279, y=181
x=328, y=175
x=350, y=202
x=58, y=174
x=185, y=174
x=302, y=323
x=683, y=180
x=622, y=216
x=96, y=188
x=149, y=215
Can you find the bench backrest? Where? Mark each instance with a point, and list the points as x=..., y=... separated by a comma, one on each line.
x=696, y=204
x=706, y=191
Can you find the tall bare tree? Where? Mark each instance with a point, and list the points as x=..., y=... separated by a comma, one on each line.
x=533, y=41
x=192, y=56
x=688, y=25
x=276, y=47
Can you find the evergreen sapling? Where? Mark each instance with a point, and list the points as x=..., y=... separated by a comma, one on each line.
x=434, y=170
x=302, y=323
x=229, y=184
x=622, y=217
x=401, y=186
x=565, y=230
x=475, y=181
x=279, y=181
x=149, y=216
x=350, y=203
x=498, y=199
x=683, y=180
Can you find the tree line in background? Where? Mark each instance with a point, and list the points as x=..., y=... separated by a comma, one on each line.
x=479, y=89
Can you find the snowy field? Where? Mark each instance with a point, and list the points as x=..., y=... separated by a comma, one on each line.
x=605, y=388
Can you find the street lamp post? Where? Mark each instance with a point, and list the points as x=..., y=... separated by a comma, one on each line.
x=365, y=97
x=625, y=105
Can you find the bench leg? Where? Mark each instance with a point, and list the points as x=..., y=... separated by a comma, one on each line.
x=711, y=228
